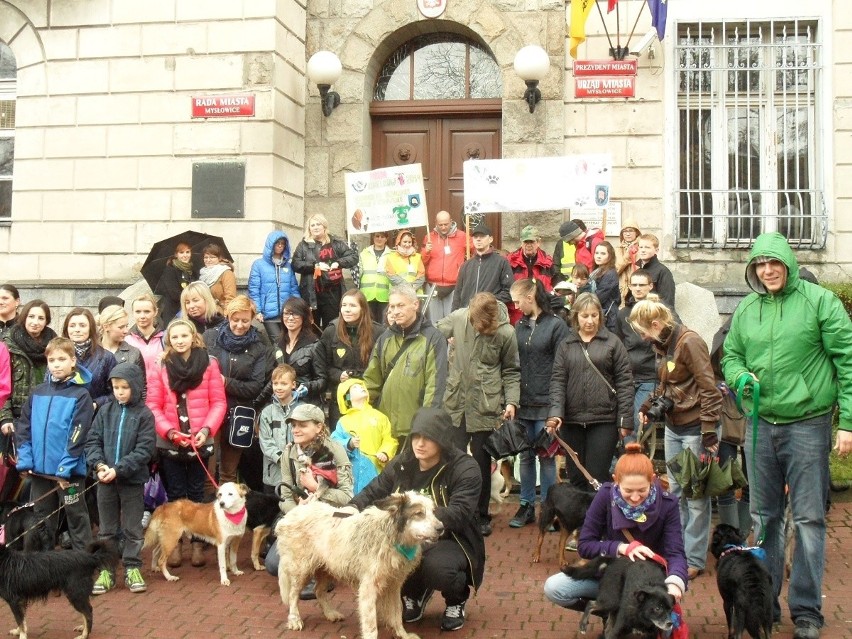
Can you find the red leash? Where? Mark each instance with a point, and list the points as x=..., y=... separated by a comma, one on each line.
x=203, y=462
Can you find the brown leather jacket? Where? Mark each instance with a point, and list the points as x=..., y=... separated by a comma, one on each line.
x=683, y=363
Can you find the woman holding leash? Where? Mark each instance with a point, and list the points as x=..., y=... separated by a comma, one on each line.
x=591, y=391
x=689, y=403
x=187, y=396
x=632, y=517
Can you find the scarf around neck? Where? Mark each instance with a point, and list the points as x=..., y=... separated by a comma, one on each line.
x=236, y=343
x=31, y=347
x=211, y=274
x=634, y=513
x=183, y=267
x=184, y=375
x=83, y=349
x=406, y=252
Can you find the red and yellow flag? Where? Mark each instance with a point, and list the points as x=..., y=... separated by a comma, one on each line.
x=580, y=10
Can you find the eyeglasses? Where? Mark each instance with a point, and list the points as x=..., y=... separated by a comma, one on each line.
x=287, y=314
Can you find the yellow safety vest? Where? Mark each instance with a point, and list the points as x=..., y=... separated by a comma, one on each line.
x=374, y=284
x=569, y=259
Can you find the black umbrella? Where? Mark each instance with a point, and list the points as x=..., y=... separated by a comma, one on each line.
x=152, y=269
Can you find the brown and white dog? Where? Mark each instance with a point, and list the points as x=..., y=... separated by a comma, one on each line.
x=374, y=551
x=221, y=523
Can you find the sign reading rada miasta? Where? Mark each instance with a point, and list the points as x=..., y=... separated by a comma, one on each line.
x=238, y=105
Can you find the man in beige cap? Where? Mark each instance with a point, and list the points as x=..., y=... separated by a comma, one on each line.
x=530, y=262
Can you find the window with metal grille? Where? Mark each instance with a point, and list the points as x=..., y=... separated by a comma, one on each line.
x=439, y=66
x=748, y=96
x=8, y=74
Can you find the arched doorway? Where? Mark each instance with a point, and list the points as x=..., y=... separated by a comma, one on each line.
x=437, y=101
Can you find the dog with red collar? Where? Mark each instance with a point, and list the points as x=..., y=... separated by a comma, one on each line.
x=221, y=523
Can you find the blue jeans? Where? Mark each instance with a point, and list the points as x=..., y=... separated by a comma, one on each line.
x=565, y=591
x=547, y=465
x=641, y=391
x=694, y=513
x=795, y=454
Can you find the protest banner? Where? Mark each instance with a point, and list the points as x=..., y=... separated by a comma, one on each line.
x=385, y=199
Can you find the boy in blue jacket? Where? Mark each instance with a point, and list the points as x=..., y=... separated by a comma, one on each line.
x=119, y=446
x=51, y=435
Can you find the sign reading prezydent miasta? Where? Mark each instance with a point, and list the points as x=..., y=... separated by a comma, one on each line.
x=238, y=105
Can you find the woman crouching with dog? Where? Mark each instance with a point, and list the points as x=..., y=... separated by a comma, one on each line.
x=632, y=517
x=313, y=467
x=432, y=464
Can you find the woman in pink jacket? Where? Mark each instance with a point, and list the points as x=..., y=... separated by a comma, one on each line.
x=187, y=396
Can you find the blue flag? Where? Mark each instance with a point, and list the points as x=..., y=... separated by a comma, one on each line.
x=659, y=10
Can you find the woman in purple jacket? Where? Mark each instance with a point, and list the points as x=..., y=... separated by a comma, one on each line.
x=634, y=503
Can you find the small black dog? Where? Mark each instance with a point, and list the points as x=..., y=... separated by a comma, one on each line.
x=744, y=583
x=567, y=506
x=632, y=596
x=25, y=577
x=262, y=511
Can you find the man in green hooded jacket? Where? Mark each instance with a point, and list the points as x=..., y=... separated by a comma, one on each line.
x=793, y=340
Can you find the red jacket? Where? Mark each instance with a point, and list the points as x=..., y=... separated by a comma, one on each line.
x=442, y=267
x=586, y=248
x=206, y=403
x=542, y=270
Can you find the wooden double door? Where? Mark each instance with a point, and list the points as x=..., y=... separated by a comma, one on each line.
x=441, y=144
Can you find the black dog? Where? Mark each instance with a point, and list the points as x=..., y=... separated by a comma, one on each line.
x=25, y=577
x=632, y=596
x=22, y=529
x=567, y=506
x=262, y=511
x=744, y=583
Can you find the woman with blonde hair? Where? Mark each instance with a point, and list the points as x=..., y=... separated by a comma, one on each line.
x=320, y=259
x=146, y=334
x=591, y=391
x=246, y=363
x=187, y=396
x=404, y=263
x=198, y=306
x=218, y=274
x=112, y=325
x=689, y=403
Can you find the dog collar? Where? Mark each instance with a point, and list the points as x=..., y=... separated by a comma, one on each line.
x=409, y=552
x=237, y=517
x=757, y=551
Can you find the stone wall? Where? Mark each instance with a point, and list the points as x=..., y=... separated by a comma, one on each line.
x=105, y=140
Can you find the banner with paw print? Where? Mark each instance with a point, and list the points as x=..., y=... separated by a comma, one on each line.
x=537, y=184
x=385, y=199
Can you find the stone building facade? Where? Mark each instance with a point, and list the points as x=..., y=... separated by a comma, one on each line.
x=105, y=143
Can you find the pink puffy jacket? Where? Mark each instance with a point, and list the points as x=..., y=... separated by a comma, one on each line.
x=206, y=403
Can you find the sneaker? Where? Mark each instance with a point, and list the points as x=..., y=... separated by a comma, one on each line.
x=104, y=583
x=806, y=629
x=134, y=581
x=524, y=516
x=412, y=609
x=571, y=546
x=485, y=527
x=453, y=618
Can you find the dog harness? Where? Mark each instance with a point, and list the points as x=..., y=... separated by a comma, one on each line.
x=757, y=551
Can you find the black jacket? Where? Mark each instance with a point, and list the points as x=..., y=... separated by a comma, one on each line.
x=171, y=285
x=537, y=349
x=642, y=357
x=246, y=372
x=307, y=256
x=333, y=356
x=455, y=488
x=490, y=272
x=578, y=394
x=661, y=276
x=123, y=435
x=303, y=361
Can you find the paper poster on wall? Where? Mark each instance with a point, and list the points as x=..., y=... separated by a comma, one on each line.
x=593, y=218
x=385, y=199
x=537, y=184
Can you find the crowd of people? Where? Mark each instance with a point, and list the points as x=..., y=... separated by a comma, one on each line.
x=397, y=384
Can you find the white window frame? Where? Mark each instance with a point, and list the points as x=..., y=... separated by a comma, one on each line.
x=819, y=119
x=8, y=91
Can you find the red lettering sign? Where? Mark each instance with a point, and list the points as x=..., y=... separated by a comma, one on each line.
x=238, y=105
x=605, y=67
x=605, y=87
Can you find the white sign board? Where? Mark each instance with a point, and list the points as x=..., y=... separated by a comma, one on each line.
x=537, y=184
x=593, y=218
x=385, y=199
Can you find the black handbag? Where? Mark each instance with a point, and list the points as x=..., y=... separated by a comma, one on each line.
x=241, y=426
x=507, y=440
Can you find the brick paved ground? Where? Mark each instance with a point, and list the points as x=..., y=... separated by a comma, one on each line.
x=511, y=603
